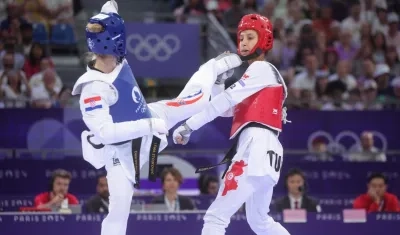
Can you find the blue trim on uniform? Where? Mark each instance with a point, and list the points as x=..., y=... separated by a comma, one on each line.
x=93, y=108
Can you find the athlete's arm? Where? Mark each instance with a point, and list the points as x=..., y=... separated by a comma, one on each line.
x=95, y=100
x=258, y=76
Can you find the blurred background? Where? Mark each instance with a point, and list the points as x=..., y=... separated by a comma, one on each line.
x=339, y=58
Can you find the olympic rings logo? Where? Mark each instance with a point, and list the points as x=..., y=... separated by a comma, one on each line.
x=153, y=46
x=338, y=144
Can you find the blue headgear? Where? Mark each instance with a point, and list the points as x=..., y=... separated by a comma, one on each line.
x=110, y=41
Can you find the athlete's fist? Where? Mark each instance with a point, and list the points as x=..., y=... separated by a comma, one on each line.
x=158, y=125
x=182, y=134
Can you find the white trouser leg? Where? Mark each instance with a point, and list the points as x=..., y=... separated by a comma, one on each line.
x=121, y=192
x=235, y=190
x=257, y=209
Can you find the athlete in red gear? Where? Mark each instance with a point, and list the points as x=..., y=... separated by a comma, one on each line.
x=256, y=104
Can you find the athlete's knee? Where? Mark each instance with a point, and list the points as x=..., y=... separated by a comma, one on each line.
x=120, y=205
x=212, y=219
x=262, y=225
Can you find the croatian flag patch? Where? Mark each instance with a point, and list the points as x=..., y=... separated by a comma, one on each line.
x=92, y=103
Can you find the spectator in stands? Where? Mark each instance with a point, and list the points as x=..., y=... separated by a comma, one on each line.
x=345, y=48
x=269, y=10
x=304, y=50
x=380, y=23
x=321, y=85
x=377, y=199
x=45, y=65
x=319, y=151
x=370, y=94
x=36, y=55
x=171, y=179
x=250, y=6
x=14, y=17
x=10, y=44
x=99, y=202
x=393, y=36
x=294, y=18
x=297, y=198
x=288, y=50
x=307, y=79
x=331, y=58
x=392, y=60
x=368, y=70
x=366, y=152
x=335, y=91
x=15, y=91
x=7, y=63
x=354, y=21
x=208, y=184
x=57, y=194
x=394, y=100
x=311, y=9
x=382, y=78
x=363, y=54
x=324, y=22
x=45, y=93
x=379, y=47
x=64, y=98
x=190, y=11
x=26, y=38
x=231, y=18
x=342, y=74
x=355, y=100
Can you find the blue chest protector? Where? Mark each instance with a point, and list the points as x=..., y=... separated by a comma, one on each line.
x=131, y=105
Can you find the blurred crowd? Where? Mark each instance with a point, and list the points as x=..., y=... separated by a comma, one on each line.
x=333, y=54
x=28, y=32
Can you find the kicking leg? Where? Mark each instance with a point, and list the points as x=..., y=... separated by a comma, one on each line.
x=257, y=208
x=121, y=192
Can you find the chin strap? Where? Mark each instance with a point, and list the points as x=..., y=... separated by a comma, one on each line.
x=253, y=55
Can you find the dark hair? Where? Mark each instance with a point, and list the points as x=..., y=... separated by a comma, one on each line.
x=101, y=175
x=203, y=182
x=293, y=172
x=26, y=26
x=377, y=175
x=32, y=59
x=354, y=3
x=59, y=173
x=174, y=172
x=373, y=37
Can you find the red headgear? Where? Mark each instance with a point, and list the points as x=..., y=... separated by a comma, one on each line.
x=262, y=26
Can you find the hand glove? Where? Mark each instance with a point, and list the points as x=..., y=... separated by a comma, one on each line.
x=284, y=116
x=158, y=125
x=182, y=134
x=222, y=77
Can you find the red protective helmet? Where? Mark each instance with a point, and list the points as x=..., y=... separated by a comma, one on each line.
x=262, y=26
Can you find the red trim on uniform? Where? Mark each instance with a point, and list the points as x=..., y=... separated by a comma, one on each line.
x=181, y=102
x=92, y=99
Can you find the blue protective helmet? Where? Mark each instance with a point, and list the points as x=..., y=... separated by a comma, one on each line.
x=110, y=41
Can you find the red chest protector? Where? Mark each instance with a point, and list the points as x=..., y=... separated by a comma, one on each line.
x=264, y=107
